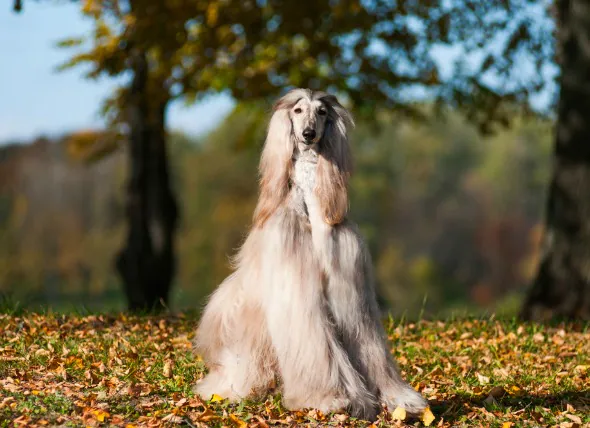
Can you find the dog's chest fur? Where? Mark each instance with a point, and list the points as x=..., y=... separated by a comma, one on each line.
x=303, y=181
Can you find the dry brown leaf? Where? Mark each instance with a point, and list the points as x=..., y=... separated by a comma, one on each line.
x=483, y=380
x=341, y=417
x=558, y=340
x=574, y=418
x=167, y=370
x=497, y=392
x=207, y=415
x=173, y=419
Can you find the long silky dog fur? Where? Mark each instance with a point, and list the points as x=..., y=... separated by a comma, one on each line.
x=300, y=306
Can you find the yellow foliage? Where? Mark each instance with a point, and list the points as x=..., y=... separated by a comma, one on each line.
x=212, y=13
x=91, y=7
x=399, y=414
x=427, y=417
x=216, y=398
x=91, y=145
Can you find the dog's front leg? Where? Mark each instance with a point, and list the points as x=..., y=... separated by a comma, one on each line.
x=351, y=296
x=314, y=368
x=363, y=402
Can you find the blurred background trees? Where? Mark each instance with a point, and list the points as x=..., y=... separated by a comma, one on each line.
x=562, y=286
x=374, y=54
x=453, y=219
x=451, y=216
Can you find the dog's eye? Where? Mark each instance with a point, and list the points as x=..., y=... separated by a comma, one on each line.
x=297, y=110
x=322, y=112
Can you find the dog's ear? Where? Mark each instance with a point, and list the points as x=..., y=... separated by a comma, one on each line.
x=335, y=164
x=275, y=166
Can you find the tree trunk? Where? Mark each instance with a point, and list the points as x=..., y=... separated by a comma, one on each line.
x=146, y=263
x=562, y=286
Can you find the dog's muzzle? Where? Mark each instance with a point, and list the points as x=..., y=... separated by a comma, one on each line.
x=308, y=136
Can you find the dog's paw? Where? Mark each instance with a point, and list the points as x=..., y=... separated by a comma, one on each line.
x=365, y=411
x=325, y=404
x=203, y=391
x=209, y=386
x=408, y=399
x=333, y=404
x=364, y=405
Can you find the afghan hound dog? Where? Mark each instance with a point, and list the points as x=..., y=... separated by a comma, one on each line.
x=300, y=306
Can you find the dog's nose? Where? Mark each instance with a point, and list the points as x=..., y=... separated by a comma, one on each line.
x=308, y=134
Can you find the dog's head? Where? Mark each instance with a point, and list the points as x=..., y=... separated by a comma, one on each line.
x=306, y=120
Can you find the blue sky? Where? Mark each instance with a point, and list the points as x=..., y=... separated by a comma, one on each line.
x=35, y=99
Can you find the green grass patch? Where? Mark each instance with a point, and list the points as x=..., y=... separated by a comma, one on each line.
x=119, y=370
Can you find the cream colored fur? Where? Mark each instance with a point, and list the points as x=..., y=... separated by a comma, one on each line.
x=300, y=306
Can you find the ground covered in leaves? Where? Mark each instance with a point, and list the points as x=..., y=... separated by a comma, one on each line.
x=102, y=370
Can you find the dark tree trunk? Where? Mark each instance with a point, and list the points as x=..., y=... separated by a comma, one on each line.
x=562, y=286
x=147, y=263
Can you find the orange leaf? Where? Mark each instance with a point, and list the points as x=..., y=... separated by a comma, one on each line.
x=240, y=423
x=100, y=415
x=207, y=415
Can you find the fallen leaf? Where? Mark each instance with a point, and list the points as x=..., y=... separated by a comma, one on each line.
x=514, y=390
x=207, y=415
x=497, y=392
x=574, y=418
x=173, y=419
x=427, y=417
x=490, y=401
x=240, y=423
x=100, y=415
x=316, y=414
x=558, y=340
x=399, y=414
x=167, y=370
x=341, y=417
x=216, y=398
x=483, y=380
x=507, y=424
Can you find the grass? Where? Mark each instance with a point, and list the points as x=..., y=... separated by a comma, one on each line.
x=116, y=370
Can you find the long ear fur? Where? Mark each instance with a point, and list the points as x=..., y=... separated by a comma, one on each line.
x=275, y=166
x=335, y=164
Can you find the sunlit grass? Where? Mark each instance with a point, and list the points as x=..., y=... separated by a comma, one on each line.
x=116, y=370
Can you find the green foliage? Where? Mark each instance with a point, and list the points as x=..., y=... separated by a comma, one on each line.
x=371, y=53
x=64, y=222
x=451, y=218
x=423, y=195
